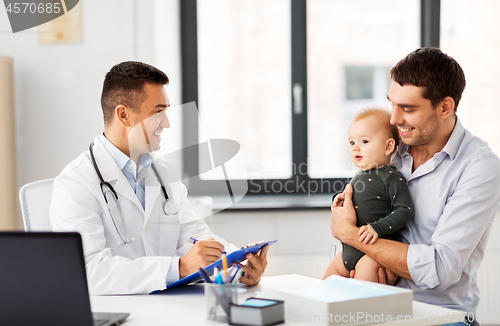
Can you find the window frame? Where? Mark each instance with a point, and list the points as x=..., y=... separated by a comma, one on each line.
x=429, y=30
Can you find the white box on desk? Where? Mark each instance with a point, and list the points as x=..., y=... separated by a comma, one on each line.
x=311, y=301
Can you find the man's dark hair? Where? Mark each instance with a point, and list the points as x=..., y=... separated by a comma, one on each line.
x=124, y=84
x=439, y=74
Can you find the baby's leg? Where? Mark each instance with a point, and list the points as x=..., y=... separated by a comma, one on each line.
x=367, y=269
x=336, y=267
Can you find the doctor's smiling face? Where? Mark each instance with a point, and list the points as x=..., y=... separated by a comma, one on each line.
x=147, y=123
x=133, y=102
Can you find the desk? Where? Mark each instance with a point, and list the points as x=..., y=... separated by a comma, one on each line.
x=186, y=306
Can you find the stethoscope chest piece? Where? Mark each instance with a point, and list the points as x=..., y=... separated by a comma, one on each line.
x=170, y=208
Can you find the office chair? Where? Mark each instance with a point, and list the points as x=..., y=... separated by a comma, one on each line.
x=35, y=203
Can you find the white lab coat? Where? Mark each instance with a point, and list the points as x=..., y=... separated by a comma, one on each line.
x=141, y=266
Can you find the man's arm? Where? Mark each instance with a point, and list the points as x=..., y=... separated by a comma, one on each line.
x=390, y=254
x=463, y=224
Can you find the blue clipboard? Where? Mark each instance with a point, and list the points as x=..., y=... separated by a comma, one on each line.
x=236, y=256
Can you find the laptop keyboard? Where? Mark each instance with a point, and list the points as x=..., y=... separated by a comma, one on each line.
x=100, y=322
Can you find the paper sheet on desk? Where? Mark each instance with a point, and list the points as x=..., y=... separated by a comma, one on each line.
x=336, y=289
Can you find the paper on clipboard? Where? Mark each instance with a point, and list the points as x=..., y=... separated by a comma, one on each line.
x=236, y=256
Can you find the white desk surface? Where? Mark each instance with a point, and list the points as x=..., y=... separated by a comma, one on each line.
x=186, y=306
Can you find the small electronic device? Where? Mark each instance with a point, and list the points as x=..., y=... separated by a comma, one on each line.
x=258, y=312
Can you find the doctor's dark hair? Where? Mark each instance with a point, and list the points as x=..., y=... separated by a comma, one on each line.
x=124, y=85
x=439, y=74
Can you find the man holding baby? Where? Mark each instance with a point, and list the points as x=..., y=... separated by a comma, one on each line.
x=454, y=181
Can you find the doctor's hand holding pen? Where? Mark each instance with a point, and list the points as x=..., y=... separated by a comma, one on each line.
x=202, y=254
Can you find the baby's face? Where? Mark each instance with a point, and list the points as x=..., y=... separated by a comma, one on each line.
x=368, y=144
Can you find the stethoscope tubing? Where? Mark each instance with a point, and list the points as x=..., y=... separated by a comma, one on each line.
x=103, y=184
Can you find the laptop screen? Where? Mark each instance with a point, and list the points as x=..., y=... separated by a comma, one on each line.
x=43, y=280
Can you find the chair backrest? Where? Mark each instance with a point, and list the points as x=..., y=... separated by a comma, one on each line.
x=35, y=203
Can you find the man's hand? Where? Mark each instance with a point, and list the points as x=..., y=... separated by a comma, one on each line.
x=385, y=276
x=202, y=254
x=343, y=214
x=367, y=234
x=255, y=267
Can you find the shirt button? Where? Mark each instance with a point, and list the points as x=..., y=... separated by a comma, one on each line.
x=407, y=157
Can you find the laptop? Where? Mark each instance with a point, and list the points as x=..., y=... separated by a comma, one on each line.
x=43, y=281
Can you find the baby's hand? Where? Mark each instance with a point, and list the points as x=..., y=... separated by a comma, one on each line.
x=338, y=201
x=367, y=234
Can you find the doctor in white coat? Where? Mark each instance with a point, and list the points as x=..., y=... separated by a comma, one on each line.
x=135, y=242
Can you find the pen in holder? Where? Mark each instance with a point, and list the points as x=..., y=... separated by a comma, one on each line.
x=219, y=298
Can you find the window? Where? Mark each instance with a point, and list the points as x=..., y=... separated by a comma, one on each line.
x=244, y=92
x=359, y=82
x=283, y=78
x=351, y=47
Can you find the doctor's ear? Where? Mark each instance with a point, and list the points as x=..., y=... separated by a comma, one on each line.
x=122, y=114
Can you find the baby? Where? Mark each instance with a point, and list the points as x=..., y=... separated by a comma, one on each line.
x=381, y=196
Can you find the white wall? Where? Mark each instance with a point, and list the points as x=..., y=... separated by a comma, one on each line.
x=58, y=87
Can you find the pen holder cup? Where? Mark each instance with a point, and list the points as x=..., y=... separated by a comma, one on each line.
x=218, y=300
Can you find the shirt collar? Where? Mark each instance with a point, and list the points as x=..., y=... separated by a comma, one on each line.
x=402, y=149
x=124, y=162
x=451, y=147
x=453, y=144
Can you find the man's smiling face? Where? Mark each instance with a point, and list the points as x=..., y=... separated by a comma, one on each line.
x=414, y=115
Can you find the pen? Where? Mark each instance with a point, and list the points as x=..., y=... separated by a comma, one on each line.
x=253, y=244
x=192, y=240
x=235, y=271
x=236, y=278
x=224, y=265
x=205, y=276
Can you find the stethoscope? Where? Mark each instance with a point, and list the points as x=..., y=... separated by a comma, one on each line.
x=169, y=208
